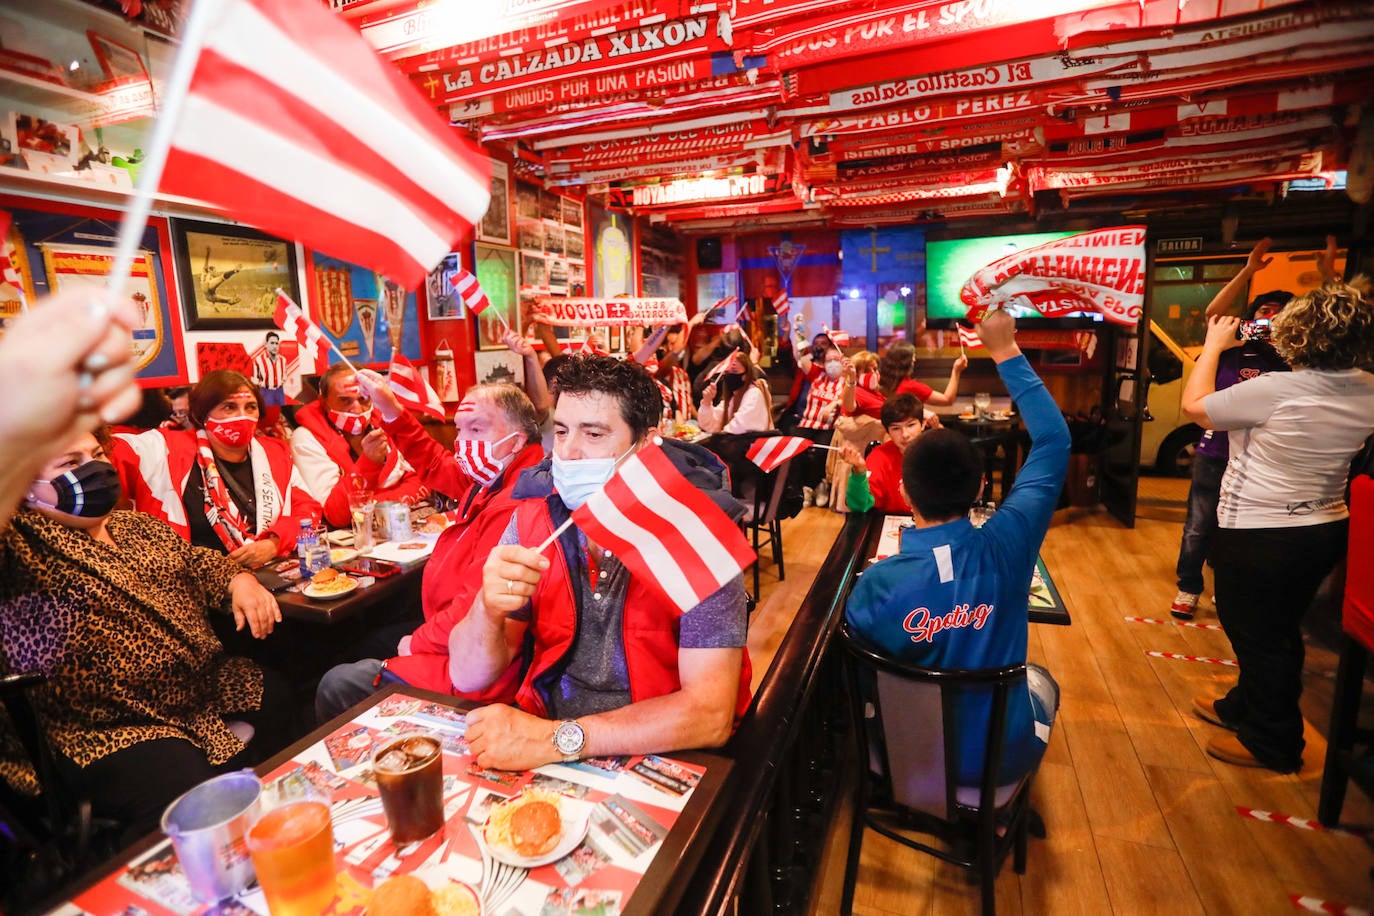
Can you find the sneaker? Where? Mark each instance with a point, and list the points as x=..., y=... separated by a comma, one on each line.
x=1185, y=603
x=823, y=493
x=1206, y=709
x=808, y=496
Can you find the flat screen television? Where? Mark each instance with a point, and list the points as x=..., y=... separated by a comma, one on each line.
x=949, y=264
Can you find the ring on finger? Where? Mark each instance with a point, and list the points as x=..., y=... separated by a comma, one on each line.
x=510, y=586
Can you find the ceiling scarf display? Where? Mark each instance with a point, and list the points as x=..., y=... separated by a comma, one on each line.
x=1102, y=270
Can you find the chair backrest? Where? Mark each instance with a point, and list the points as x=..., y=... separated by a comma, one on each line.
x=768, y=490
x=909, y=724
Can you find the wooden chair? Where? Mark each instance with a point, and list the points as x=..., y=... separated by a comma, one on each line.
x=905, y=722
x=761, y=520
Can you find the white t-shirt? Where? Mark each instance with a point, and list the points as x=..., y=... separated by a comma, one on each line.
x=1293, y=435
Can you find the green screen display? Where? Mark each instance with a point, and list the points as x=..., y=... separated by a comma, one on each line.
x=949, y=265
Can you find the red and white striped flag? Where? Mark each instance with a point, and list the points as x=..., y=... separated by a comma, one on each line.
x=781, y=304
x=723, y=303
x=292, y=123
x=664, y=529
x=771, y=451
x=291, y=319
x=839, y=338
x=412, y=388
x=968, y=337
x=470, y=291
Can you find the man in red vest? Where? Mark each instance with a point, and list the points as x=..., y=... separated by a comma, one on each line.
x=615, y=668
x=340, y=448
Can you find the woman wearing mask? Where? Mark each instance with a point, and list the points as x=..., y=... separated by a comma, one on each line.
x=746, y=402
x=1282, y=517
x=817, y=423
x=111, y=607
x=219, y=485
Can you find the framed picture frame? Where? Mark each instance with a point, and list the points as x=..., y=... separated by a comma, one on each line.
x=496, y=271
x=229, y=275
x=496, y=222
x=120, y=62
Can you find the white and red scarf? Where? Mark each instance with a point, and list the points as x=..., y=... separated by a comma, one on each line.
x=220, y=510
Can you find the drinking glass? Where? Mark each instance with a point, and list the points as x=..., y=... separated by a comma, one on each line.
x=410, y=778
x=363, y=508
x=292, y=846
x=981, y=511
x=982, y=401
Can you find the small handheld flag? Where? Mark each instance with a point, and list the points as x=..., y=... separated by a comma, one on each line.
x=771, y=451
x=412, y=389
x=664, y=529
x=470, y=291
x=781, y=304
x=292, y=320
x=968, y=337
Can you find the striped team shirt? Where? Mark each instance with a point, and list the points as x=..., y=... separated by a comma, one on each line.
x=269, y=371
x=824, y=392
x=680, y=385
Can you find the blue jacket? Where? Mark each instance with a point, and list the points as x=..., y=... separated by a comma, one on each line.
x=956, y=596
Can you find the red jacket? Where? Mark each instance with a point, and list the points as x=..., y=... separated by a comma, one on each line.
x=391, y=479
x=153, y=468
x=650, y=626
x=435, y=465
x=452, y=578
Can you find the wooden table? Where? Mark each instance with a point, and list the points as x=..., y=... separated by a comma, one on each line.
x=402, y=588
x=670, y=824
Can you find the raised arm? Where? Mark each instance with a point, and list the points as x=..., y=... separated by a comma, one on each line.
x=1221, y=303
x=946, y=398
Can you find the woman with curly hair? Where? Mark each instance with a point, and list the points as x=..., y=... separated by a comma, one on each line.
x=1282, y=517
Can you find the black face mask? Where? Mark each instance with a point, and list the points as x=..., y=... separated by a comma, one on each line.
x=88, y=491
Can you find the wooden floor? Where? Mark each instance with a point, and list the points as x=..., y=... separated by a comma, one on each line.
x=1140, y=819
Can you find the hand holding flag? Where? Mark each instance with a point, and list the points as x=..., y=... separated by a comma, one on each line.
x=293, y=321
x=412, y=389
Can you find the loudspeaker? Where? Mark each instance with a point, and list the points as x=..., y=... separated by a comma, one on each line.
x=708, y=253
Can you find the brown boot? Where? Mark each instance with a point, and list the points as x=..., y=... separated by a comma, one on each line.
x=1206, y=709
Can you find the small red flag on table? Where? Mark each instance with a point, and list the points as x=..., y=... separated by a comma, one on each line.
x=771, y=451
x=411, y=387
x=664, y=529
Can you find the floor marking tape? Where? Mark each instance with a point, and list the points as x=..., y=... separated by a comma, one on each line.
x=1177, y=623
x=1317, y=905
x=1228, y=662
x=1302, y=823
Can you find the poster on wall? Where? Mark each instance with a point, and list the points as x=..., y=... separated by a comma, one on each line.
x=16, y=279
x=87, y=268
x=229, y=275
x=612, y=271
x=660, y=261
x=71, y=247
x=367, y=315
x=499, y=366
x=495, y=225
x=496, y=273
x=443, y=300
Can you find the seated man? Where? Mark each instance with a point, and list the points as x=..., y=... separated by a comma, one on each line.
x=502, y=418
x=615, y=667
x=877, y=478
x=955, y=596
x=339, y=450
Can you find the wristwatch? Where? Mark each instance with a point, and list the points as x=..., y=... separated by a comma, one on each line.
x=570, y=739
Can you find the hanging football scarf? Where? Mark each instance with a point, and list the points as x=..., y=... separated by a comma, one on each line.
x=220, y=511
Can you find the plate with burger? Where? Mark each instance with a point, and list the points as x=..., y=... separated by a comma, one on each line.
x=328, y=584
x=423, y=895
x=536, y=827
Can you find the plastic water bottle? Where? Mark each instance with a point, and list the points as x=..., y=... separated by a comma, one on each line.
x=318, y=554
x=305, y=540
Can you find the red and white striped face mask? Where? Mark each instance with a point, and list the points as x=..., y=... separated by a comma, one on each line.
x=477, y=458
x=350, y=424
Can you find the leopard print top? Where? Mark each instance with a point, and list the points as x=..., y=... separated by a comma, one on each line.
x=121, y=634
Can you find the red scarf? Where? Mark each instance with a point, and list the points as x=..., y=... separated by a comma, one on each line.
x=220, y=511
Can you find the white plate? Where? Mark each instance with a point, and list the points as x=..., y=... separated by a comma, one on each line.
x=575, y=815
x=343, y=537
x=310, y=591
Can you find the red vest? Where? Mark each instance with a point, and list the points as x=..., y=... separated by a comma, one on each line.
x=649, y=627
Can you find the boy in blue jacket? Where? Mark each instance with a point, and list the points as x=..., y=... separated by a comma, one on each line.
x=955, y=596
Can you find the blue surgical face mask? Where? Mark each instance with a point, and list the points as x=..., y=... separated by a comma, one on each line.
x=576, y=481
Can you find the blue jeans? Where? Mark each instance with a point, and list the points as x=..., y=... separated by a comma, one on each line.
x=344, y=686
x=1201, y=521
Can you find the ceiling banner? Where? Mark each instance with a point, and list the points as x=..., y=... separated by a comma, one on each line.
x=695, y=190
x=617, y=312
x=669, y=146
x=665, y=53
x=1242, y=163
x=569, y=96
x=970, y=105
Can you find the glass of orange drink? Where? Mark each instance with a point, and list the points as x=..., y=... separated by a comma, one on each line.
x=292, y=845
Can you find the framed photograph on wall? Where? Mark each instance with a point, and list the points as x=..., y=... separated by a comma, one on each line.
x=495, y=225
x=496, y=272
x=229, y=275
x=119, y=62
